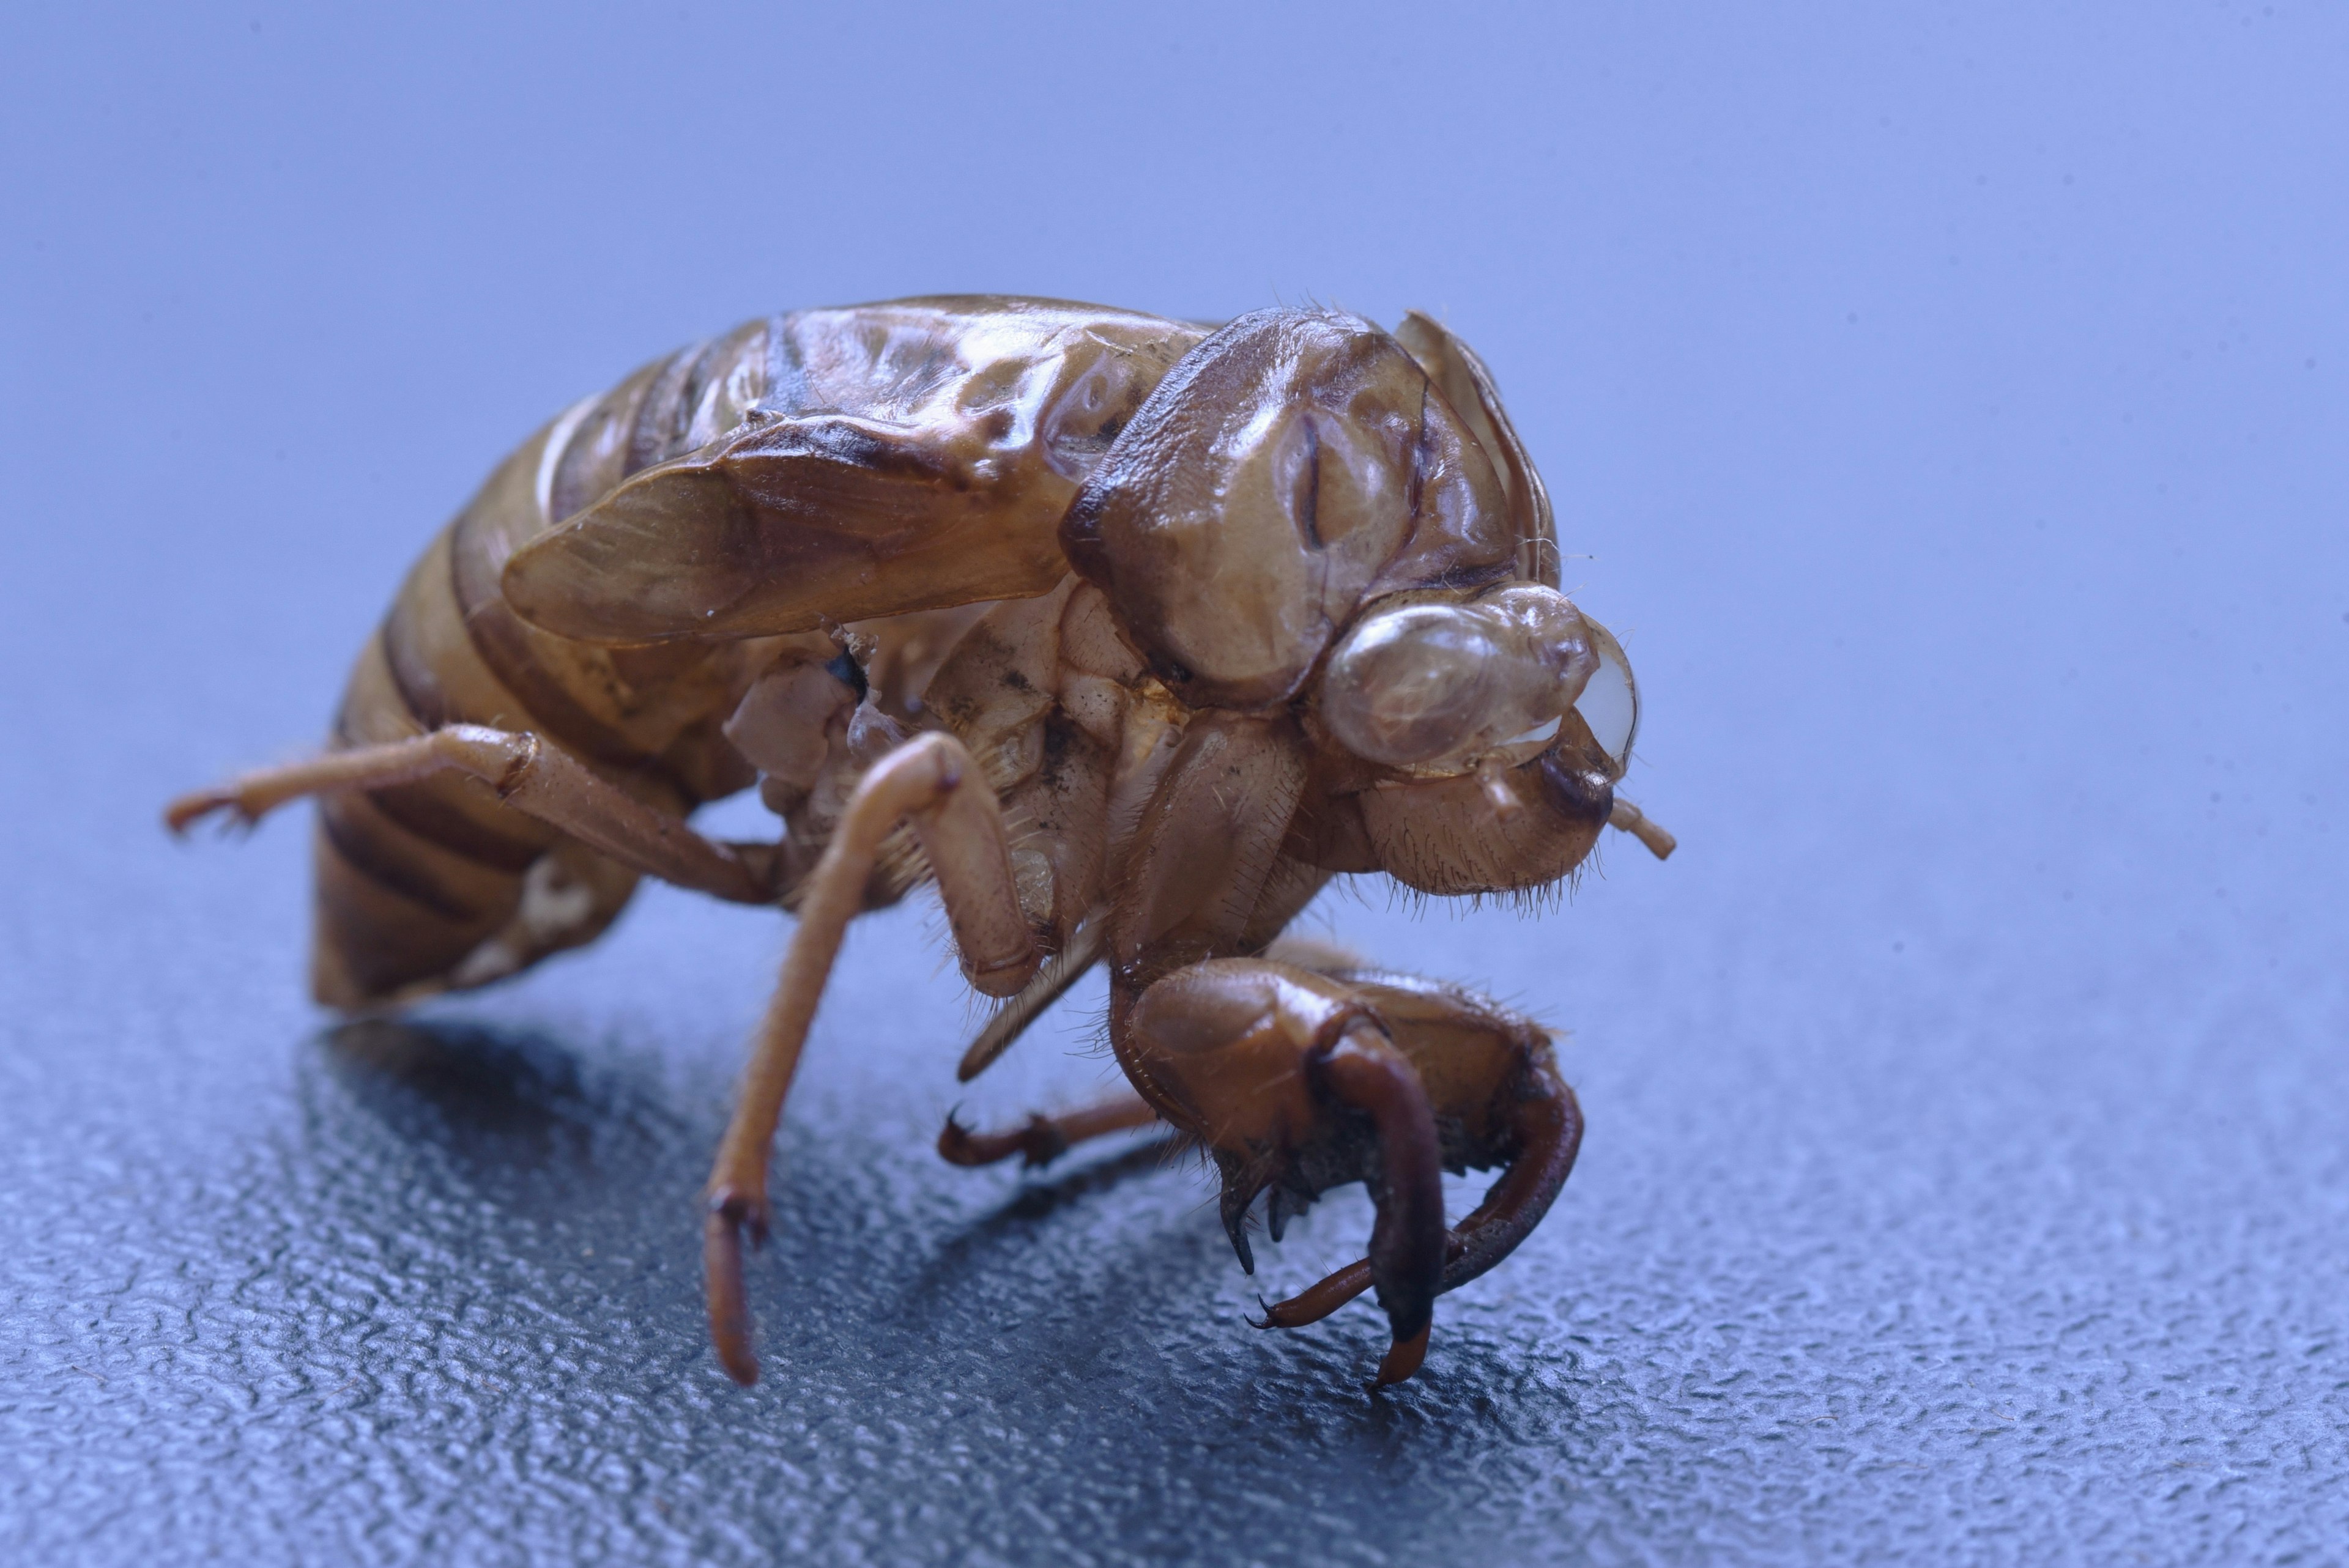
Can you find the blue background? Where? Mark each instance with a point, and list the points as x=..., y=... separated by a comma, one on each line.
x=1945, y=402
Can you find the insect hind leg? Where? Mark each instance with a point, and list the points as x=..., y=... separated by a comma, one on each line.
x=531, y=774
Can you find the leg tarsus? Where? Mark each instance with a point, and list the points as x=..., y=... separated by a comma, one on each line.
x=1404, y=1352
x=1038, y=1143
x=1318, y=1301
x=1044, y=1138
x=252, y=795
x=731, y=1215
x=1332, y=1291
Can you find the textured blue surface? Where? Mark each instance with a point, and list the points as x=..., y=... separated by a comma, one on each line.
x=1952, y=403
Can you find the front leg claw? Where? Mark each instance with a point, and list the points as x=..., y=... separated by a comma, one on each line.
x=1403, y=1359
x=731, y=1214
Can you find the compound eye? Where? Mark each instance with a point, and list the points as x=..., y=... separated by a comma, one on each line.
x=1610, y=705
x=1436, y=685
x=1405, y=688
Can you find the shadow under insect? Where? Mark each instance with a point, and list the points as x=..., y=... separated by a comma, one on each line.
x=507, y=1108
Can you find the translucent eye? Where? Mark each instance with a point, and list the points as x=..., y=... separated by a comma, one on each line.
x=1540, y=735
x=1610, y=705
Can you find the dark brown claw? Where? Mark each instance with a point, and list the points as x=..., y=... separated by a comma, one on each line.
x=1039, y=1143
x=1403, y=1358
x=1549, y=1123
x=1409, y=1245
x=1326, y=1295
x=1045, y=1138
x=731, y=1214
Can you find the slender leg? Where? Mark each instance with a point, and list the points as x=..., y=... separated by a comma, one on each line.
x=931, y=780
x=534, y=776
x=1052, y=983
x=1045, y=1138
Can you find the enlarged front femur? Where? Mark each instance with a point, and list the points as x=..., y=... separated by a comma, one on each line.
x=1436, y=681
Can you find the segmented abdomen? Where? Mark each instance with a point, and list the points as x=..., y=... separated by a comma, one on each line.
x=437, y=885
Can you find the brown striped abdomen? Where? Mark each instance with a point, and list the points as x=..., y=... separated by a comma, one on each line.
x=437, y=886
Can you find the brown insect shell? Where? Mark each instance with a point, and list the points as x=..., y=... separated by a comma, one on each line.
x=1472, y=1056
x=1468, y=387
x=872, y=461
x=1290, y=469
x=1223, y=1045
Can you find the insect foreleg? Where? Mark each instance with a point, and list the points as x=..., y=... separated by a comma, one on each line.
x=529, y=774
x=933, y=782
x=1407, y=1240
